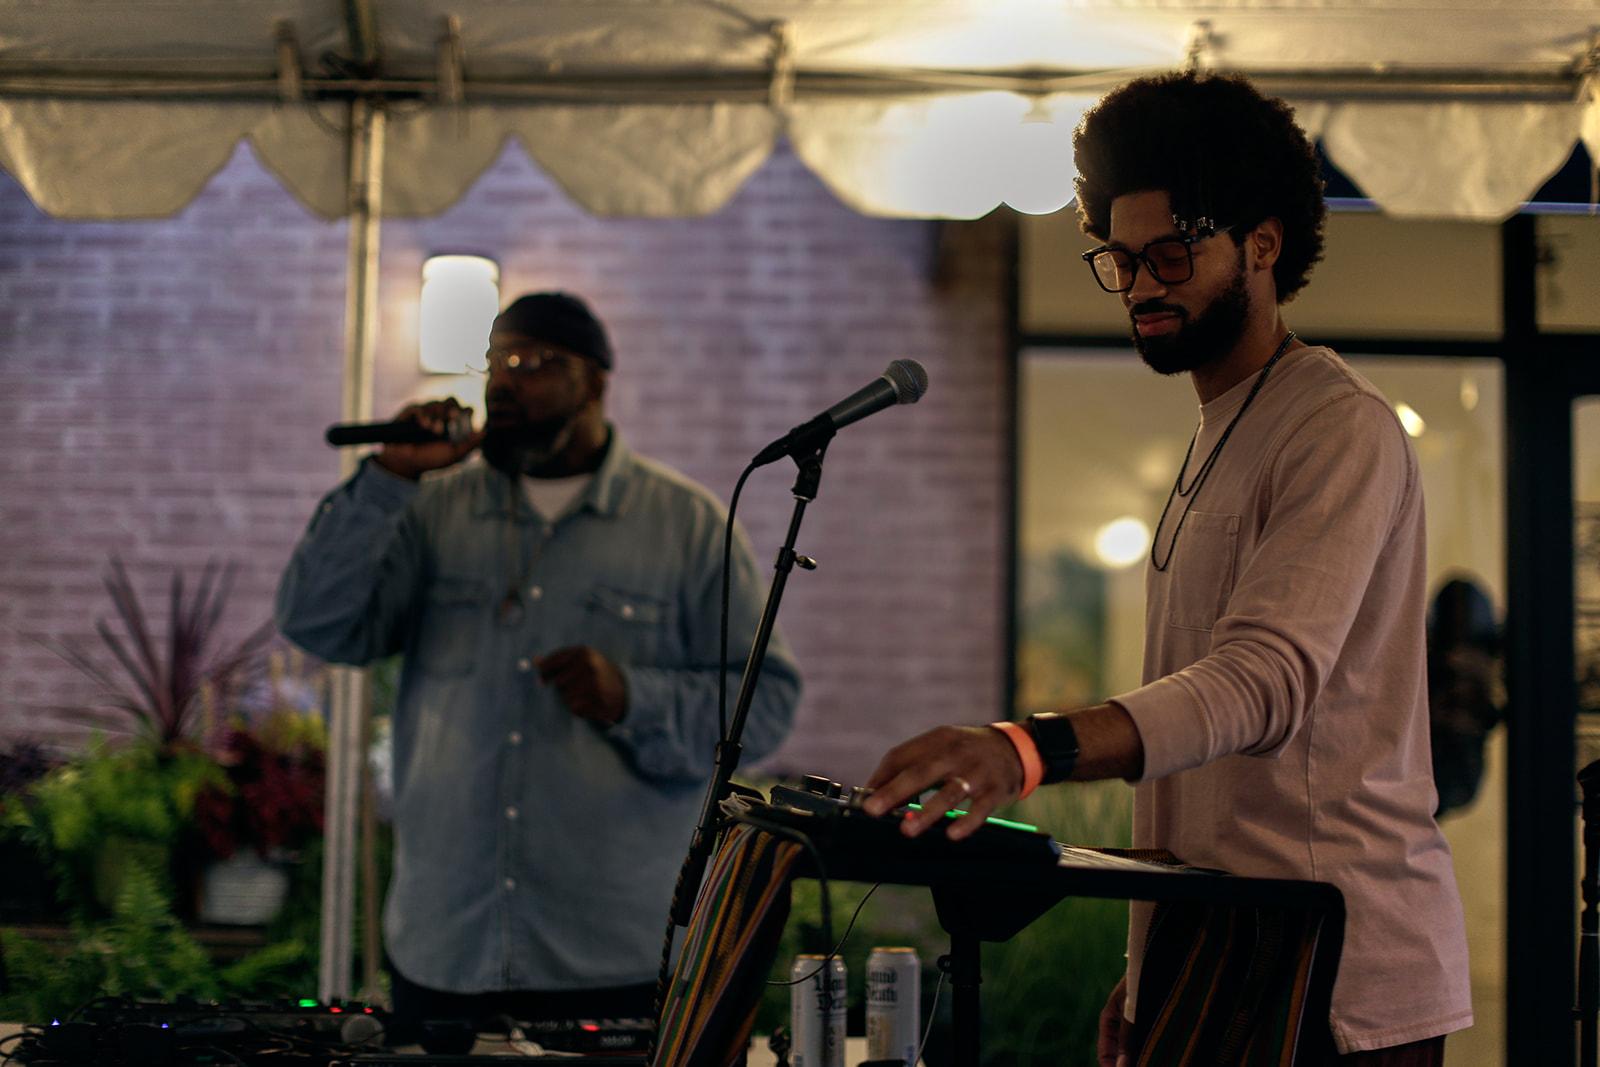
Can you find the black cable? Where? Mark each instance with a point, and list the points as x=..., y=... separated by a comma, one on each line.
x=18, y=1037
x=727, y=562
x=664, y=973
x=851, y=925
x=225, y=1052
x=826, y=904
x=822, y=871
x=104, y=998
x=291, y=1041
x=933, y=1011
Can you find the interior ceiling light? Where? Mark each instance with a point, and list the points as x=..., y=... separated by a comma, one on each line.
x=1122, y=542
x=1410, y=419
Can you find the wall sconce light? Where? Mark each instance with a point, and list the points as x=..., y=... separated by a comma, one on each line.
x=460, y=298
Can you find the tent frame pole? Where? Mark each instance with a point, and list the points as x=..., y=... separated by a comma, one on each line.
x=350, y=709
x=1549, y=84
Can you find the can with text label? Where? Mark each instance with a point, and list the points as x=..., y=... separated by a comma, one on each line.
x=816, y=1010
x=894, y=1004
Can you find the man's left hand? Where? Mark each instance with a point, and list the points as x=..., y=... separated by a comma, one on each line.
x=591, y=686
x=975, y=767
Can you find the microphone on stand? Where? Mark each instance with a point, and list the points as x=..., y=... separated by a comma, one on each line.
x=903, y=382
x=396, y=432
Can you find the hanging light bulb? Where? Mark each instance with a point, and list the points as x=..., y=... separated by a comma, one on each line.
x=1041, y=167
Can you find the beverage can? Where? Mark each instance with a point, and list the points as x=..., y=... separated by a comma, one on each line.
x=894, y=1004
x=816, y=1010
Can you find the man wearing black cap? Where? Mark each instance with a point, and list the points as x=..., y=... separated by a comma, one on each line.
x=558, y=608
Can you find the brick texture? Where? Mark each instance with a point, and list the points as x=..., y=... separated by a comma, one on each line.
x=167, y=383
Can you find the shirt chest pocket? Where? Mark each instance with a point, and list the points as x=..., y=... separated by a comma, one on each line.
x=1202, y=570
x=448, y=634
x=627, y=626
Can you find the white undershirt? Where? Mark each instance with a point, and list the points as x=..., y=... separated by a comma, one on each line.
x=552, y=498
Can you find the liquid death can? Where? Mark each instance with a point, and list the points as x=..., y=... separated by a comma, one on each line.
x=816, y=1011
x=894, y=1004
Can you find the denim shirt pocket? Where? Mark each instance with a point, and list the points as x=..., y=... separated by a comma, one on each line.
x=1202, y=570
x=626, y=625
x=448, y=635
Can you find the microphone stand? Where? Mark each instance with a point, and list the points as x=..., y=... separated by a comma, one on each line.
x=1588, y=1010
x=807, y=454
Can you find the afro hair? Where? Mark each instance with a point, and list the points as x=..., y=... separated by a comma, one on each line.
x=1219, y=149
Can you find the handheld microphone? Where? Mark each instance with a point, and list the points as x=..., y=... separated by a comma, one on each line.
x=397, y=432
x=903, y=382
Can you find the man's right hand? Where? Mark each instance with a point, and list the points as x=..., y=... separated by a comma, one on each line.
x=412, y=461
x=1113, y=1042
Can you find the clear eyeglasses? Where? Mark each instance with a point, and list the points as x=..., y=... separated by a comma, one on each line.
x=523, y=359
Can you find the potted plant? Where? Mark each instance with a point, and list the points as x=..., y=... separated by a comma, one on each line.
x=131, y=805
x=122, y=823
x=167, y=690
x=263, y=815
x=112, y=810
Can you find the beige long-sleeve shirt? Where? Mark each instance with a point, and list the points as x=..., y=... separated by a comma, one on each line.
x=1285, y=715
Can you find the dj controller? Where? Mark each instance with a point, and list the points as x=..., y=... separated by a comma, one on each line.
x=118, y=1032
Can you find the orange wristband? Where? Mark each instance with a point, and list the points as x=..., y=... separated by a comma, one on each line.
x=1027, y=752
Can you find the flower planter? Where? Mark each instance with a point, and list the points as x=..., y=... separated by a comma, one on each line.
x=243, y=890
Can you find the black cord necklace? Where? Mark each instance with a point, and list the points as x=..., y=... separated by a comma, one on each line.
x=511, y=611
x=1190, y=494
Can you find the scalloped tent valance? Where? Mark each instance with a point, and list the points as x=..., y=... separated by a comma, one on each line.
x=663, y=108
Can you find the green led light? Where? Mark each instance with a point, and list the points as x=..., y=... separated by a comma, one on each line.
x=956, y=813
x=306, y=1002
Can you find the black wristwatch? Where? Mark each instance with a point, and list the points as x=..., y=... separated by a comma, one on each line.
x=1057, y=742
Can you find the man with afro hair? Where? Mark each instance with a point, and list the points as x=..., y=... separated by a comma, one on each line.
x=1283, y=727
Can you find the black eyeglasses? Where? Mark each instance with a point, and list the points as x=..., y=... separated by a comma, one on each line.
x=1170, y=261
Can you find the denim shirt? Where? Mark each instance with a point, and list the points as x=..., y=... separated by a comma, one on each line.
x=534, y=849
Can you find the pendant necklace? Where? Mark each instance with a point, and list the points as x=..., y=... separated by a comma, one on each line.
x=511, y=610
x=1193, y=491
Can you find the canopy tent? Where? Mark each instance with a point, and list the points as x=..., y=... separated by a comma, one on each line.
x=664, y=107
x=651, y=107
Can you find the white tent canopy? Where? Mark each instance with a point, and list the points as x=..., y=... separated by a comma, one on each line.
x=661, y=108
x=943, y=108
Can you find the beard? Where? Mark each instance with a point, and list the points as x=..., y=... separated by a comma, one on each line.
x=527, y=446
x=1210, y=336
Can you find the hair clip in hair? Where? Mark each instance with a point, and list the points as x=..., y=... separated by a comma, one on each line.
x=1202, y=225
